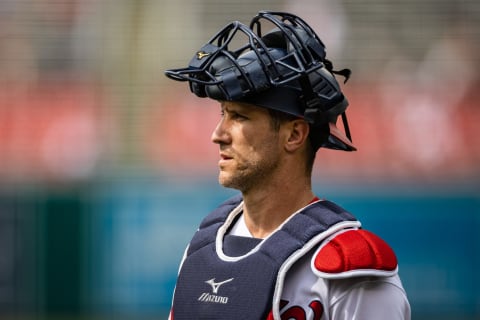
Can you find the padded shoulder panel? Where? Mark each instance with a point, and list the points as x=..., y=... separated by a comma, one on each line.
x=353, y=252
x=221, y=212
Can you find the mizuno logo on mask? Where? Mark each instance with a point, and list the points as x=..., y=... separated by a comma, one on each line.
x=202, y=54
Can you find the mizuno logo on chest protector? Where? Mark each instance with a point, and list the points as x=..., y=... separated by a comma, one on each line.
x=214, y=298
x=216, y=285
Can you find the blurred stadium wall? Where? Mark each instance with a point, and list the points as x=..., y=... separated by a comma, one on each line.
x=106, y=167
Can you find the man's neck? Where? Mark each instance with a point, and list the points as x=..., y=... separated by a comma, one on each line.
x=266, y=208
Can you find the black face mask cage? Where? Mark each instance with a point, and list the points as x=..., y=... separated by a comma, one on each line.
x=303, y=54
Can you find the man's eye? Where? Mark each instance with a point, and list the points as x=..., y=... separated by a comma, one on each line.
x=236, y=115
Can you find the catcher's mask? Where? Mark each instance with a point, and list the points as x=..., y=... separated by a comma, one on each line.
x=284, y=69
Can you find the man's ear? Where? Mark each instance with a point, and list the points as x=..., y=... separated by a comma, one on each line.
x=298, y=131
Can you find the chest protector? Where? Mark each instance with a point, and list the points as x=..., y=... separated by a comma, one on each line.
x=229, y=277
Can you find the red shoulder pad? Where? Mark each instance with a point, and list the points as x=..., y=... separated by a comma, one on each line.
x=355, y=250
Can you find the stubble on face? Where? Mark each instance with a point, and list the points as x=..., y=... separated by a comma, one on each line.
x=250, y=170
x=255, y=155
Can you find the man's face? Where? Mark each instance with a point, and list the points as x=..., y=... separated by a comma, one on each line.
x=249, y=146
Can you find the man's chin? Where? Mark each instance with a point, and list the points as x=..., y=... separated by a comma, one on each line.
x=226, y=180
x=223, y=181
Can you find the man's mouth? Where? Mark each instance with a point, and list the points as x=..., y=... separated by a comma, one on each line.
x=224, y=158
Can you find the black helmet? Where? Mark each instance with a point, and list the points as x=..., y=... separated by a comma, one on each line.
x=285, y=70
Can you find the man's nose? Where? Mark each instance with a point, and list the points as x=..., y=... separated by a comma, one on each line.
x=220, y=133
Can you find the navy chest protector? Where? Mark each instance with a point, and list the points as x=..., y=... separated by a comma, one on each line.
x=244, y=283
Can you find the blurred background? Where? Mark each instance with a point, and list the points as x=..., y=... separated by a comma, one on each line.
x=106, y=167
